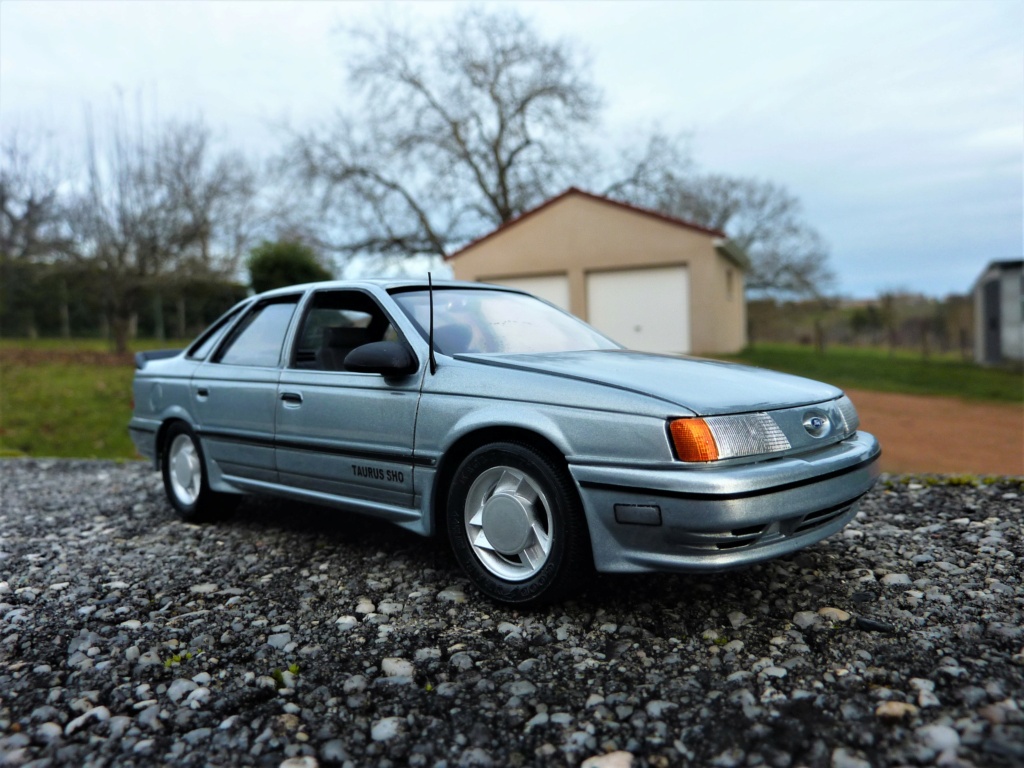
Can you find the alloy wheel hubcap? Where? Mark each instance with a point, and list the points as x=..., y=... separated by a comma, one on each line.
x=185, y=471
x=508, y=523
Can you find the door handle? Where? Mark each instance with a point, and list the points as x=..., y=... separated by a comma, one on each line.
x=293, y=398
x=202, y=393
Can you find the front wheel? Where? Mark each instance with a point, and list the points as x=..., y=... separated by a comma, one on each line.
x=516, y=525
x=185, y=483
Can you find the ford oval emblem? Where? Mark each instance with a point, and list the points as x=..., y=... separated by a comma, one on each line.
x=817, y=424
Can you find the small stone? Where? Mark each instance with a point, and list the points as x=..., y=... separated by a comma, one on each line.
x=619, y=759
x=938, y=737
x=48, y=732
x=279, y=640
x=365, y=606
x=461, y=660
x=334, y=751
x=197, y=736
x=834, y=614
x=198, y=698
x=345, y=623
x=805, y=619
x=300, y=762
x=657, y=708
x=179, y=689
x=730, y=758
x=395, y=667
x=893, y=711
x=737, y=619
x=387, y=728
x=97, y=714
x=452, y=595
x=355, y=684
x=843, y=758
x=427, y=654
x=203, y=589
x=541, y=718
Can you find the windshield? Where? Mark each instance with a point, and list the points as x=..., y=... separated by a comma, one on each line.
x=469, y=320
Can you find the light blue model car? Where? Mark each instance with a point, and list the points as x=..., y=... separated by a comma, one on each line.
x=539, y=447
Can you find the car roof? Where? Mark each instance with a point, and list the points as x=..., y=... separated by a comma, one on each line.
x=383, y=283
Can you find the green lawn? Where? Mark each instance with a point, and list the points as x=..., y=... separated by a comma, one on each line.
x=59, y=409
x=67, y=408
x=62, y=407
x=875, y=369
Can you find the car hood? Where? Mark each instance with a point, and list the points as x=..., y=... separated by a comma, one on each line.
x=706, y=387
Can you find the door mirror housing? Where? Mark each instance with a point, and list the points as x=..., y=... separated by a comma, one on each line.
x=388, y=358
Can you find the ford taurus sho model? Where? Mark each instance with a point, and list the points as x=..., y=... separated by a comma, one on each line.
x=539, y=447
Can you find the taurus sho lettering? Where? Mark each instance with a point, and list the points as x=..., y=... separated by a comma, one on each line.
x=373, y=473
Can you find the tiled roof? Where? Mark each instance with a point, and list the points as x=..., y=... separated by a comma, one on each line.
x=573, y=191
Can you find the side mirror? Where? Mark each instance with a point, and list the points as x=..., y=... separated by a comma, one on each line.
x=388, y=358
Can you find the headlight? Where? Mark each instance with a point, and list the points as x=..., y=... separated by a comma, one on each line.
x=727, y=437
x=851, y=421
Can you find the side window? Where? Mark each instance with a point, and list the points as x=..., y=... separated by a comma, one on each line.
x=257, y=340
x=201, y=350
x=336, y=323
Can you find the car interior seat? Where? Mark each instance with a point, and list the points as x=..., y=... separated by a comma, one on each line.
x=337, y=343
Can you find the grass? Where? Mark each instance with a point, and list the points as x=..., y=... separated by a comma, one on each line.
x=57, y=409
x=86, y=345
x=63, y=407
x=875, y=369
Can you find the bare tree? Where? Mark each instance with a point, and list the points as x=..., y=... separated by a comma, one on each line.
x=788, y=256
x=448, y=137
x=158, y=206
x=32, y=223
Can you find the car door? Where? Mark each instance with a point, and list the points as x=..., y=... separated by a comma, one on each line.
x=234, y=393
x=345, y=434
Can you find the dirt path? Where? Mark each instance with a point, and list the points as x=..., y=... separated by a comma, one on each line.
x=943, y=434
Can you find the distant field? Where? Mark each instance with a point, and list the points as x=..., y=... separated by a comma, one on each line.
x=73, y=398
x=66, y=398
x=876, y=369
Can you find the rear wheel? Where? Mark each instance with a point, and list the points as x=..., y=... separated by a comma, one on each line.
x=516, y=524
x=185, y=482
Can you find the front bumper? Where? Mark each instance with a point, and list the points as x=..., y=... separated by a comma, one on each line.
x=711, y=519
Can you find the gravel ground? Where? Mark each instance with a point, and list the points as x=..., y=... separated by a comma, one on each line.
x=294, y=636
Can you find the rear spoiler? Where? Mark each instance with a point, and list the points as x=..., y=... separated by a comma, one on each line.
x=141, y=358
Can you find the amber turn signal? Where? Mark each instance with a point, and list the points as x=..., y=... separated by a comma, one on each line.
x=693, y=440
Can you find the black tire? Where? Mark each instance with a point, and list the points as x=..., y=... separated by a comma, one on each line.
x=516, y=525
x=184, y=472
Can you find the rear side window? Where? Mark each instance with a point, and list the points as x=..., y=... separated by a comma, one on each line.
x=257, y=340
x=201, y=350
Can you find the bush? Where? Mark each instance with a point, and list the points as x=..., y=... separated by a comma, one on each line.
x=276, y=265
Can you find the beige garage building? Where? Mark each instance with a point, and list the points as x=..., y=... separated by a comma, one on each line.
x=648, y=281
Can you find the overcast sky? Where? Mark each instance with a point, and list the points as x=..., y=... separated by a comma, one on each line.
x=900, y=125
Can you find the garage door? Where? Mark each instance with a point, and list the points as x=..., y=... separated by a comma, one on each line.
x=645, y=309
x=553, y=288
